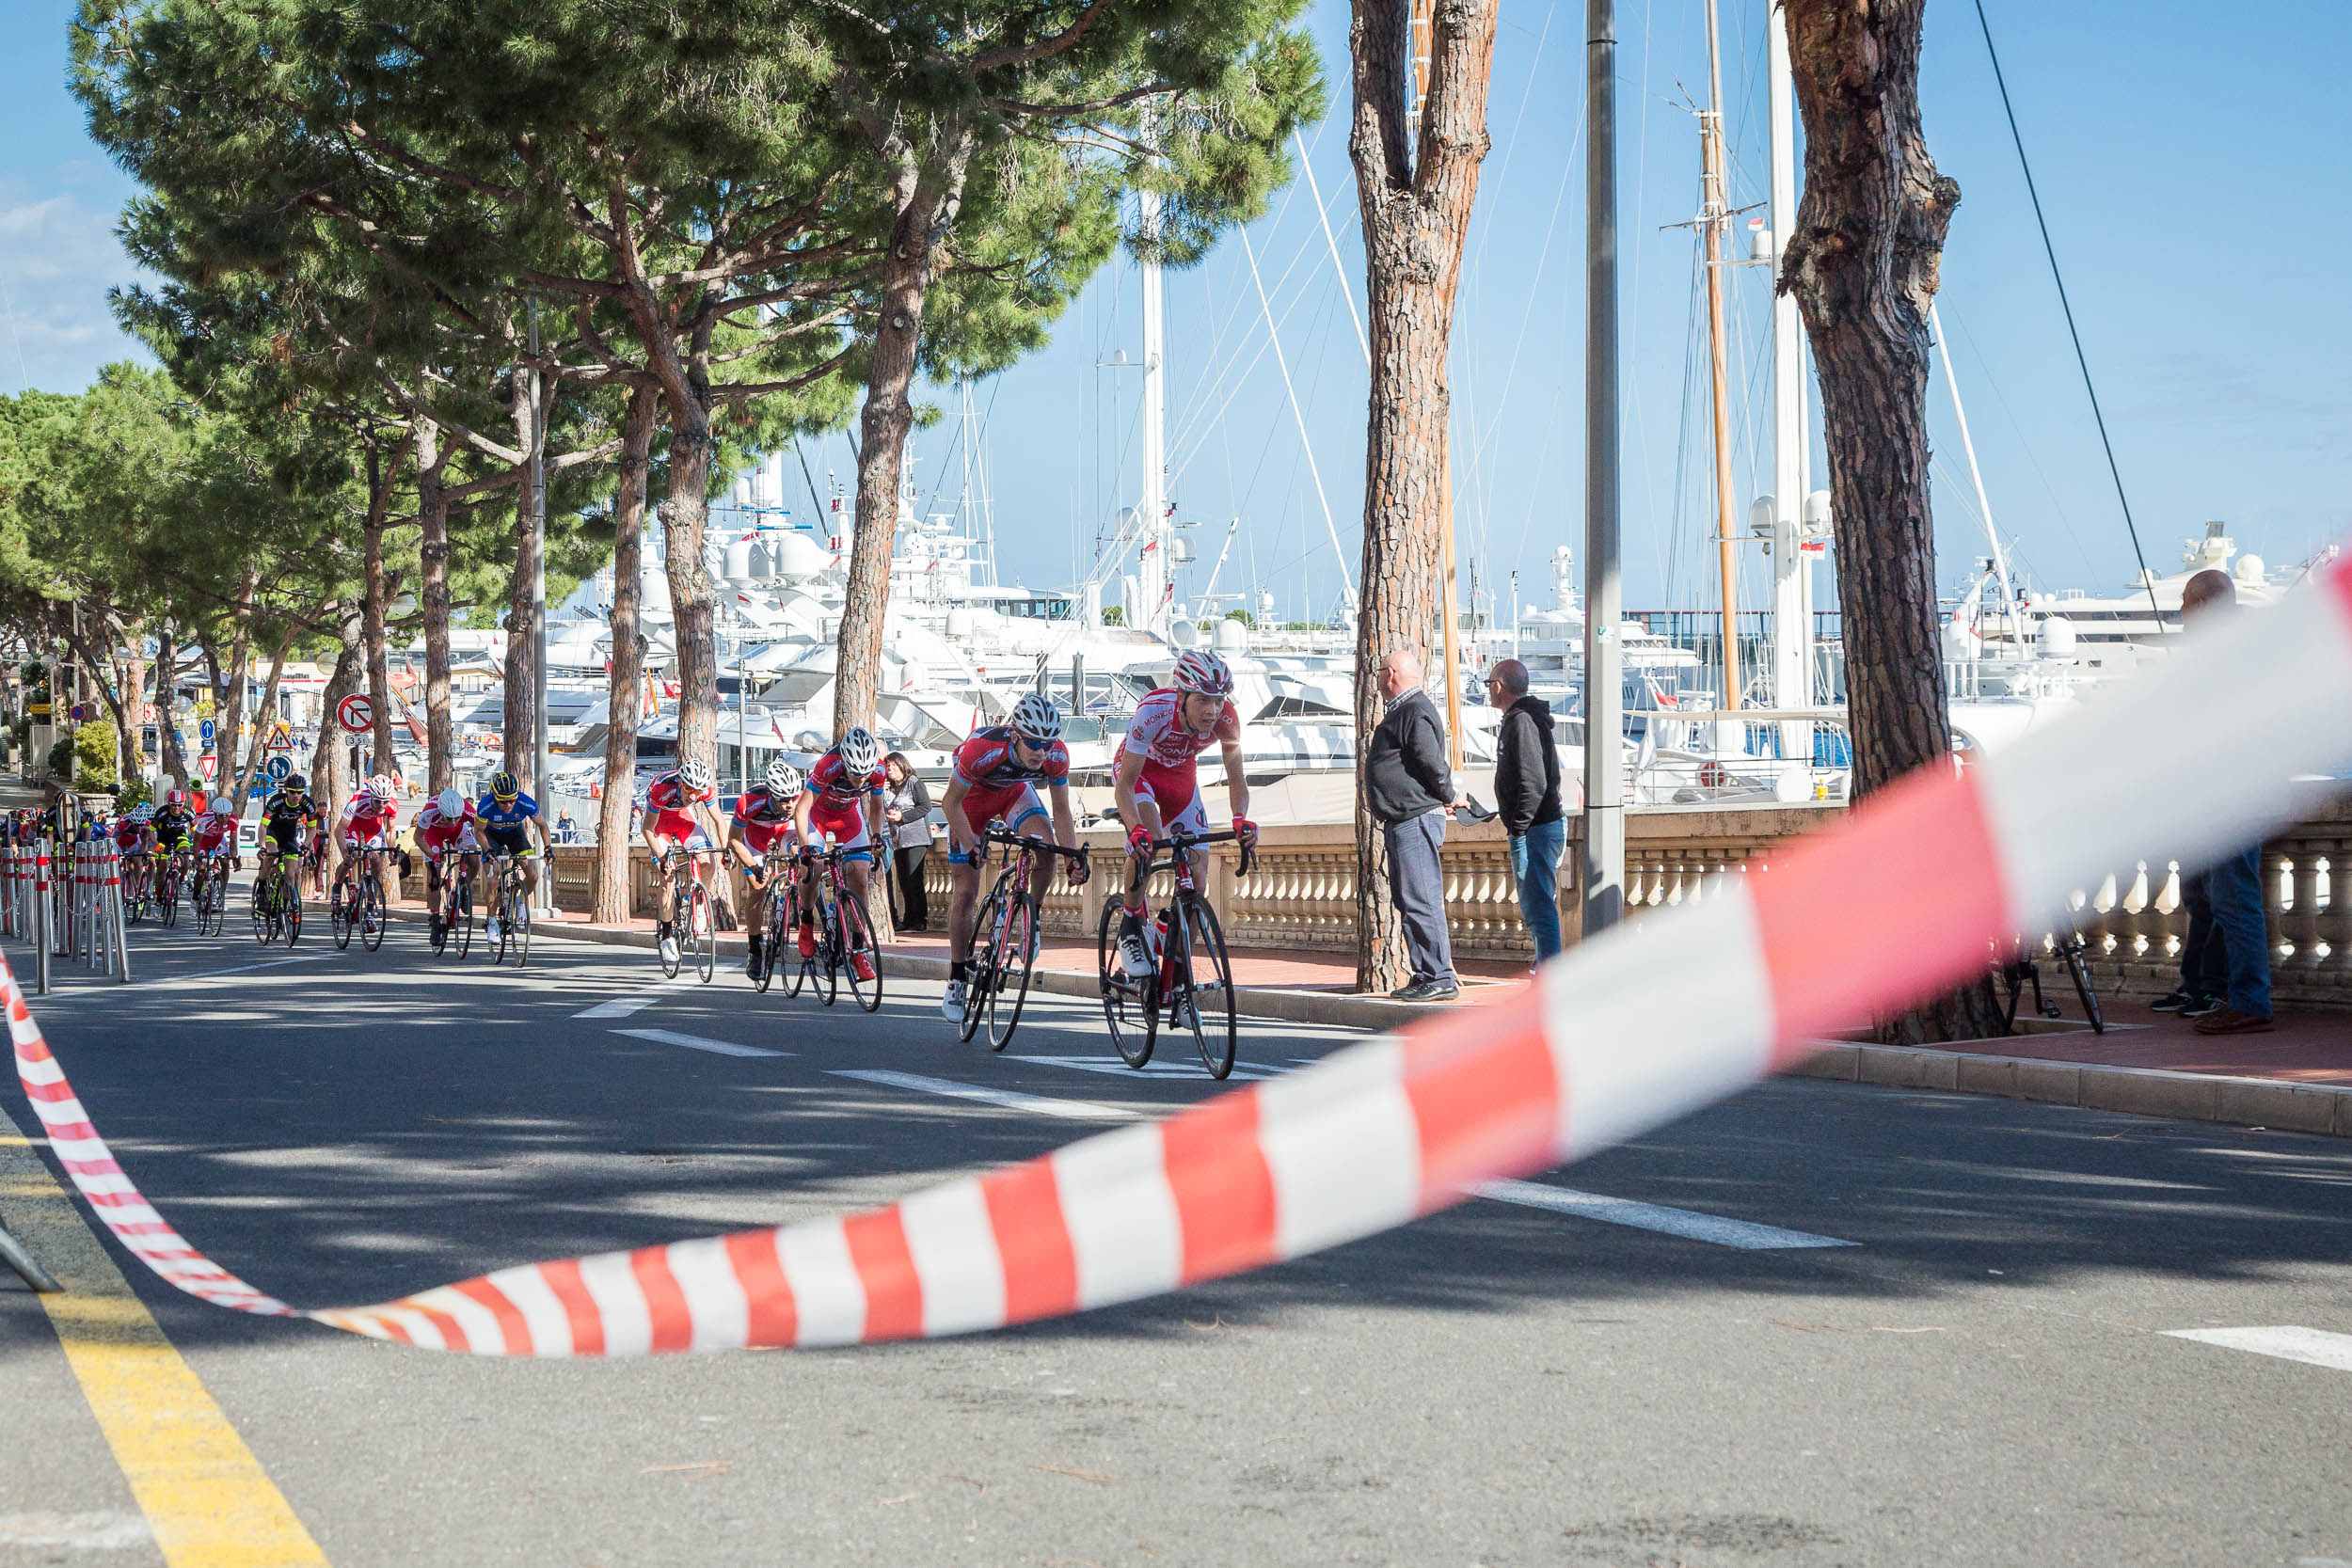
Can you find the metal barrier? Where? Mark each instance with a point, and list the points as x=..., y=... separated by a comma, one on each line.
x=66, y=903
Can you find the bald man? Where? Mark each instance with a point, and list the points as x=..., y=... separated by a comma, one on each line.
x=1408, y=788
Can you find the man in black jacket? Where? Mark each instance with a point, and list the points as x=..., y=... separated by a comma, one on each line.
x=1408, y=786
x=1527, y=795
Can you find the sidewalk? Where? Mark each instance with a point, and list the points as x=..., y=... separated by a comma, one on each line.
x=2298, y=1078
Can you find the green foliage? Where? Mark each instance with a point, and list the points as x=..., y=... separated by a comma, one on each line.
x=94, y=757
x=139, y=792
x=1114, y=615
x=61, y=759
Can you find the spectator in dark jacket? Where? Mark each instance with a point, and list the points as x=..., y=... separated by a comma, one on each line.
x=2233, y=883
x=1408, y=786
x=1527, y=795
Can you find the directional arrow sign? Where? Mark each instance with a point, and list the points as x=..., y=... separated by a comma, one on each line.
x=204, y=731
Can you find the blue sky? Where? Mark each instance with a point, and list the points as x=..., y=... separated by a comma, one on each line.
x=2192, y=174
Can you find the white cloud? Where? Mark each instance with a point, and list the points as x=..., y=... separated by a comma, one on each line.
x=58, y=256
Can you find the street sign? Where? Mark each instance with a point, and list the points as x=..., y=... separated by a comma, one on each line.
x=205, y=765
x=81, y=711
x=277, y=768
x=148, y=713
x=204, y=732
x=280, y=740
x=356, y=714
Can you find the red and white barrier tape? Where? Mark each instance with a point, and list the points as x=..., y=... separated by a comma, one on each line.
x=1640, y=1026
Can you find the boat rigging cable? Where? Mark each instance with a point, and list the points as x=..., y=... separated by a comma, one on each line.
x=2147, y=578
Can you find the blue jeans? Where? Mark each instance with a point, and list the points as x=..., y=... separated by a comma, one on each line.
x=1535, y=867
x=2234, y=886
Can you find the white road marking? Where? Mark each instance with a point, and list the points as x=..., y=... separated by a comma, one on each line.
x=2287, y=1342
x=698, y=1042
x=98, y=1533
x=151, y=987
x=1156, y=1068
x=622, y=1006
x=1652, y=1217
x=1069, y=1110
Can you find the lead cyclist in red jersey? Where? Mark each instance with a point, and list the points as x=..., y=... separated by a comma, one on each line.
x=762, y=821
x=677, y=809
x=1157, y=782
x=996, y=775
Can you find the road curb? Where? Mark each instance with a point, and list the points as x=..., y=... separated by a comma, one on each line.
x=2322, y=1108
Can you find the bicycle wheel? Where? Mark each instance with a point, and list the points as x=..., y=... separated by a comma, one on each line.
x=264, y=928
x=1204, y=988
x=981, y=974
x=705, y=930
x=339, y=915
x=771, y=935
x=2078, y=967
x=1013, y=968
x=216, y=919
x=515, y=921
x=167, y=904
x=857, y=940
x=371, y=911
x=290, y=906
x=825, y=970
x=1127, y=1003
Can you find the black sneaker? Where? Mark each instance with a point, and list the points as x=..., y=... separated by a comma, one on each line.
x=2198, y=1007
x=2171, y=1002
x=1430, y=990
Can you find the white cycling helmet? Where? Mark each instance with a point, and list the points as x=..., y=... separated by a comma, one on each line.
x=142, y=814
x=452, y=802
x=222, y=805
x=860, y=751
x=1036, y=717
x=695, y=776
x=783, y=780
x=1198, y=670
x=382, y=785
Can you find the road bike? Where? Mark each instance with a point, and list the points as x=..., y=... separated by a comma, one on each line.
x=844, y=932
x=1190, y=984
x=138, y=875
x=356, y=908
x=212, y=896
x=313, y=871
x=690, y=916
x=511, y=904
x=168, y=885
x=276, y=905
x=453, y=936
x=1006, y=937
x=777, y=917
x=2022, y=970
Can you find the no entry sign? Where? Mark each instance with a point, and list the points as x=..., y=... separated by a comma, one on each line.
x=356, y=714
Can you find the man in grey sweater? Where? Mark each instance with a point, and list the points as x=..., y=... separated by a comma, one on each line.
x=1409, y=789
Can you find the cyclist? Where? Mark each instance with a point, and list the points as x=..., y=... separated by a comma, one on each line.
x=216, y=832
x=844, y=799
x=365, y=827
x=446, y=823
x=763, y=816
x=508, y=819
x=284, y=815
x=173, y=824
x=1156, y=779
x=133, y=839
x=996, y=774
x=677, y=810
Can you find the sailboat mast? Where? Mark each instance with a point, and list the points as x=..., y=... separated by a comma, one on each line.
x=1714, y=216
x=1152, y=567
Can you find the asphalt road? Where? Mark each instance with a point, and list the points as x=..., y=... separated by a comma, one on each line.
x=1986, y=1375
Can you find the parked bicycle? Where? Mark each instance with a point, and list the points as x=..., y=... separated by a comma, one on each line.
x=1190, y=985
x=695, y=926
x=2022, y=970
x=844, y=935
x=511, y=906
x=1006, y=938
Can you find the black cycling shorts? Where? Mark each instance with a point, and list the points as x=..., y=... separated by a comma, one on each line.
x=508, y=841
x=286, y=834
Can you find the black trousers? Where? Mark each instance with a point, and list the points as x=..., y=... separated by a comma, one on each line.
x=915, y=910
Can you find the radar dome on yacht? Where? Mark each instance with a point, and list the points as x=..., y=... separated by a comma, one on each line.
x=795, y=555
x=739, y=561
x=2248, y=568
x=1185, y=634
x=2056, y=638
x=1231, y=637
x=961, y=623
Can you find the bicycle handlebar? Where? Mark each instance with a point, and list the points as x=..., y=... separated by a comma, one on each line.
x=1182, y=840
x=1083, y=854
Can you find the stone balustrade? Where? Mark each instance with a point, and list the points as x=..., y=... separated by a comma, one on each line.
x=1302, y=895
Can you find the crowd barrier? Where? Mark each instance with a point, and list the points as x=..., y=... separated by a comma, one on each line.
x=1911, y=893
x=66, y=905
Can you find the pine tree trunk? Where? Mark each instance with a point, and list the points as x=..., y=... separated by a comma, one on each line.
x=1863, y=267
x=166, y=695
x=519, y=724
x=629, y=663
x=376, y=596
x=331, y=773
x=440, y=742
x=1416, y=206
x=928, y=201
x=132, y=762
x=685, y=514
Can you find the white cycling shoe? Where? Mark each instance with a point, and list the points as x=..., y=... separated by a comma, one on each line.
x=1133, y=957
x=951, y=1005
x=669, y=950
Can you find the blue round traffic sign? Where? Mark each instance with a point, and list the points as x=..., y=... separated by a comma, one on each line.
x=277, y=768
x=81, y=711
x=205, y=729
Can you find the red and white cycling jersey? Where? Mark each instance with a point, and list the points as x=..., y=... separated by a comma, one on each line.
x=666, y=802
x=129, y=834
x=436, y=832
x=836, y=785
x=214, y=829
x=763, y=818
x=364, y=820
x=1157, y=731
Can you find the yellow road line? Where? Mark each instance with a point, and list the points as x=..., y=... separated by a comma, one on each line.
x=207, y=1498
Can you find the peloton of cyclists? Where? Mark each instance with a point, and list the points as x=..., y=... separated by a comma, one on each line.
x=677, y=809
x=508, y=821
x=843, y=799
x=764, y=817
x=446, y=823
x=1156, y=779
x=996, y=774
